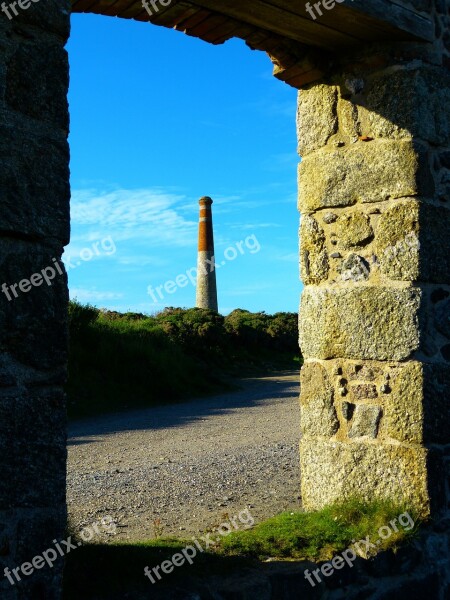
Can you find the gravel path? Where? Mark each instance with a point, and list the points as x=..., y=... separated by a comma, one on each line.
x=182, y=469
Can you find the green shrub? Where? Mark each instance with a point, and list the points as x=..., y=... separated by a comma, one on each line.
x=118, y=361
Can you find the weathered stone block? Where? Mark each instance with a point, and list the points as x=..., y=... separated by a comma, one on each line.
x=368, y=323
x=316, y=117
x=363, y=172
x=416, y=409
x=318, y=414
x=34, y=324
x=333, y=471
x=34, y=184
x=397, y=241
x=404, y=405
x=365, y=422
x=314, y=258
x=31, y=86
x=411, y=242
x=349, y=119
x=353, y=230
x=33, y=437
x=424, y=110
x=51, y=17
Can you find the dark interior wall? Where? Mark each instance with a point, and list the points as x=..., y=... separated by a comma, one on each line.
x=34, y=227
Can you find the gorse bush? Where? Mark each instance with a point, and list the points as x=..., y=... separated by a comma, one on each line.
x=118, y=361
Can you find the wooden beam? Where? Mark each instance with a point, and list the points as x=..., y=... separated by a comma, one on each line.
x=282, y=22
x=389, y=12
x=348, y=23
x=358, y=23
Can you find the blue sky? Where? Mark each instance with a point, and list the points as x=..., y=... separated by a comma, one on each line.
x=159, y=119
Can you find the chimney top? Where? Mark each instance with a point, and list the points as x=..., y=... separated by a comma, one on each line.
x=206, y=200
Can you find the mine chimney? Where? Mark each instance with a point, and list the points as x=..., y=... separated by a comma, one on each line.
x=206, y=276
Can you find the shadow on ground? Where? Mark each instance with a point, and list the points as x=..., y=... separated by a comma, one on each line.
x=252, y=392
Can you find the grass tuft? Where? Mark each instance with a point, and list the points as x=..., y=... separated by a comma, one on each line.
x=320, y=535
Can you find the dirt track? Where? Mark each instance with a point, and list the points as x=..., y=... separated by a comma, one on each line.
x=189, y=465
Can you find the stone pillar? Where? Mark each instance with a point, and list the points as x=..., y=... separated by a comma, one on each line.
x=34, y=184
x=206, y=271
x=374, y=194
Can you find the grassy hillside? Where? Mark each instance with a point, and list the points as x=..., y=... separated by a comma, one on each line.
x=120, y=361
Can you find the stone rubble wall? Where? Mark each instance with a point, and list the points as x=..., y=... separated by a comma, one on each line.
x=374, y=194
x=34, y=227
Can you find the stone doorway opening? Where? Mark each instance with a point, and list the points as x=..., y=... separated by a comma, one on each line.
x=84, y=444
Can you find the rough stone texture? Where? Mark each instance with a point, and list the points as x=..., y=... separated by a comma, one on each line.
x=404, y=411
x=354, y=268
x=424, y=111
x=22, y=331
x=398, y=241
x=316, y=117
x=353, y=230
x=318, y=414
x=363, y=391
x=348, y=119
x=366, y=322
x=363, y=372
x=409, y=242
x=365, y=422
x=379, y=323
x=332, y=469
x=31, y=88
x=358, y=174
x=35, y=205
x=34, y=225
x=314, y=258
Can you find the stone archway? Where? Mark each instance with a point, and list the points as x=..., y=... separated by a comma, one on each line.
x=374, y=191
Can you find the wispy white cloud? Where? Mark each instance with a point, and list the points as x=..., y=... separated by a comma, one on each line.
x=291, y=257
x=141, y=214
x=85, y=295
x=252, y=226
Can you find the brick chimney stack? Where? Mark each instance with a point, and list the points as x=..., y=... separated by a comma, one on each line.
x=206, y=277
